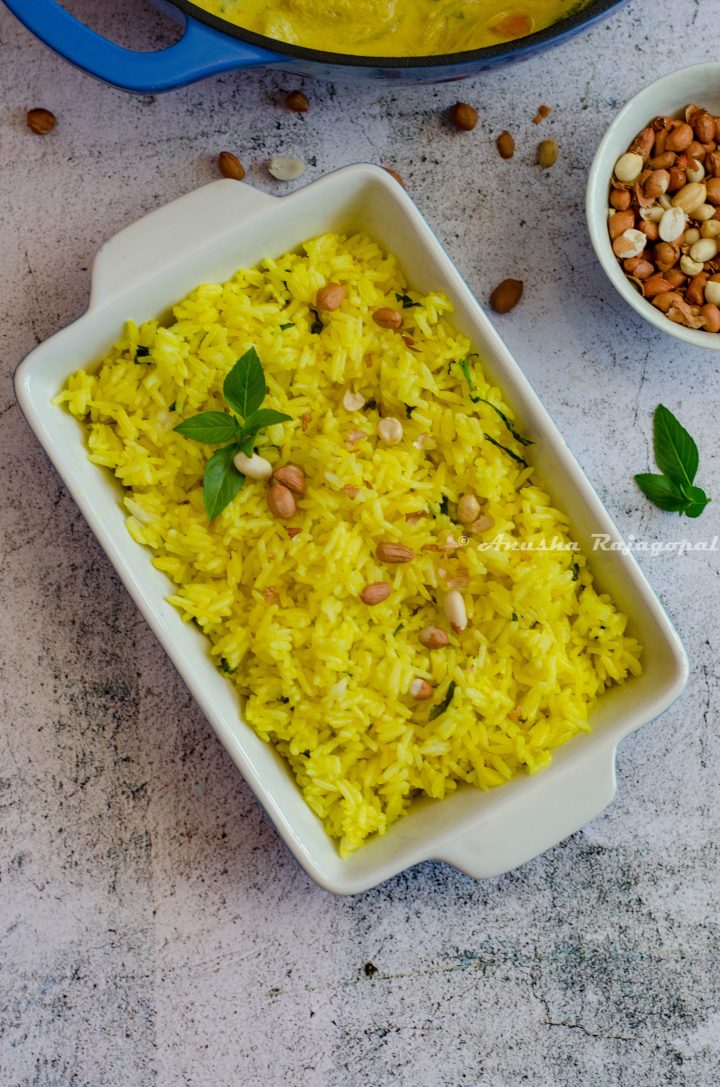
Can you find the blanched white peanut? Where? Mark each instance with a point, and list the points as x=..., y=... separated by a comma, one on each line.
x=629, y=167
x=710, y=229
x=390, y=430
x=704, y=213
x=455, y=611
x=690, y=197
x=712, y=292
x=651, y=215
x=353, y=401
x=705, y=249
x=286, y=167
x=254, y=467
x=672, y=224
x=691, y=236
x=468, y=509
x=689, y=266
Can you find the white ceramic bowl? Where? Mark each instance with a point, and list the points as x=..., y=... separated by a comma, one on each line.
x=207, y=235
x=669, y=95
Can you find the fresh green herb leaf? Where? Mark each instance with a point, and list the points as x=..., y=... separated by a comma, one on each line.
x=264, y=417
x=223, y=666
x=288, y=324
x=141, y=353
x=436, y=711
x=675, y=451
x=697, y=500
x=406, y=300
x=247, y=444
x=317, y=326
x=662, y=491
x=244, y=386
x=464, y=365
x=509, y=452
x=575, y=571
x=444, y=505
x=514, y=617
x=211, y=427
x=508, y=422
x=222, y=481
x=677, y=456
x=409, y=409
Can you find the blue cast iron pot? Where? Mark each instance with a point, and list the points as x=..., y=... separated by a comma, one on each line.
x=210, y=45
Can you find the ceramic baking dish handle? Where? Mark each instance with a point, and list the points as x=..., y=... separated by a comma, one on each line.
x=201, y=51
x=140, y=251
x=517, y=831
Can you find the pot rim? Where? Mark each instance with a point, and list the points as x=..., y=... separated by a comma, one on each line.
x=585, y=16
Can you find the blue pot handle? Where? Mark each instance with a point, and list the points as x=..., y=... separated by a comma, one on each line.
x=202, y=51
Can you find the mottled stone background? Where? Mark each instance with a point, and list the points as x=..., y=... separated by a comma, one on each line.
x=153, y=928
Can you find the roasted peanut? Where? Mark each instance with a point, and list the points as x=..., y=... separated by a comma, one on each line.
x=679, y=138
x=433, y=638
x=620, y=222
x=388, y=318
x=297, y=102
x=330, y=297
x=375, y=593
x=711, y=313
x=394, y=554
x=291, y=477
x=620, y=199
x=281, y=501
x=638, y=267
x=464, y=116
x=230, y=166
x=505, y=145
x=507, y=294
x=40, y=121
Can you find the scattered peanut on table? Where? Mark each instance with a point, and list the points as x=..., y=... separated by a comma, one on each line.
x=664, y=216
x=40, y=121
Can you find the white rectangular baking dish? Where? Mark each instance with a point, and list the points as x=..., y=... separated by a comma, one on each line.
x=206, y=235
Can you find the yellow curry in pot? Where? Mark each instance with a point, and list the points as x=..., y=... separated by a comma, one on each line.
x=392, y=28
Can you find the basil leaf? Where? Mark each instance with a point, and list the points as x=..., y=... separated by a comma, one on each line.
x=222, y=481
x=675, y=451
x=464, y=365
x=662, y=491
x=697, y=500
x=244, y=386
x=210, y=426
x=265, y=417
x=509, y=452
x=436, y=711
x=503, y=416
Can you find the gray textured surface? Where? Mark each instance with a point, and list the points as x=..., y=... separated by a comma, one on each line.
x=153, y=929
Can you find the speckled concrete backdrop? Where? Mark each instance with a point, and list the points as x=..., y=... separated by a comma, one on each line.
x=154, y=930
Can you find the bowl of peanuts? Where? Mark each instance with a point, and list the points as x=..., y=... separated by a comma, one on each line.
x=653, y=204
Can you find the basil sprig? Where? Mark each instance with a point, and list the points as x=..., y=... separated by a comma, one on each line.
x=677, y=458
x=244, y=390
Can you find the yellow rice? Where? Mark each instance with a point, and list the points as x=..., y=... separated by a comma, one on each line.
x=326, y=676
